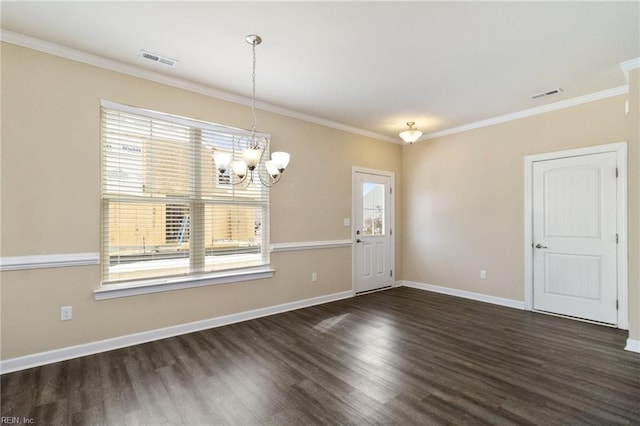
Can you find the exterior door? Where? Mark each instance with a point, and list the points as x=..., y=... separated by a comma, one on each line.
x=574, y=237
x=372, y=198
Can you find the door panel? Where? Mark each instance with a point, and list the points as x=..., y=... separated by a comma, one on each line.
x=373, y=241
x=574, y=193
x=572, y=275
x=574, y=229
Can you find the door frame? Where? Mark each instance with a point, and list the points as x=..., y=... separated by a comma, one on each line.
x=392, y=250
x=620, y=149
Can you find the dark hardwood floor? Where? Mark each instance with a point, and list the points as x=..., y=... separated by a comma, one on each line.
x=401, y=356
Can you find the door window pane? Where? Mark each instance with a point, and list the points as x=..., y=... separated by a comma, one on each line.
x=373, y=208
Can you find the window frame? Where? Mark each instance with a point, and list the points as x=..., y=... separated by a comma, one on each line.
x=119, y=288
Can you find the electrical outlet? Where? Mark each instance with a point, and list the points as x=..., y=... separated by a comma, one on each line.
x=66, y=313
x=483, y=275
x=314, y=277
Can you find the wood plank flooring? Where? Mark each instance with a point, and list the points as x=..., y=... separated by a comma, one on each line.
x=401, y=356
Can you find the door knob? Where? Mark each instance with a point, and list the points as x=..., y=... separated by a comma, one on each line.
x=358, y=240
x=540, y=246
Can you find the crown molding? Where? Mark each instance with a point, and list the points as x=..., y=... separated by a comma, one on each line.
x=629, y=65
x=112, y=65
x=620, y=90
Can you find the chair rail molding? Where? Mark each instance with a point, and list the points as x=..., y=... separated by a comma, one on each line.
x=42, y=261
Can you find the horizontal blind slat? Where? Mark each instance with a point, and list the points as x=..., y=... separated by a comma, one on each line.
x=166, y=210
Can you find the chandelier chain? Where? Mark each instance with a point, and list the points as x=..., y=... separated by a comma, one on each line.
x=253, y=166
x=253, y=94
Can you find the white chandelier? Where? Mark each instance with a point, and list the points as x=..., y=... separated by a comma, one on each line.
x=268, y=172
x=411, y=134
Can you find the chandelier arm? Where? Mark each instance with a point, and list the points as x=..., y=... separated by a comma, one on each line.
x=252, y=162
x=238, y=181
x=271, y=181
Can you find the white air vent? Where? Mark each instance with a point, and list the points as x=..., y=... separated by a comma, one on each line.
x=157, y=58
x=548, y=93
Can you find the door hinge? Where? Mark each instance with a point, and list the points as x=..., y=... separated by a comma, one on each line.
x=616, y=172
x=391, y=189
x=390, y=231
x=617, y=305
x=391, y=273
x=617, y=239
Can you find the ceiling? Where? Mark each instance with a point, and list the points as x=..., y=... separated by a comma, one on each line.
x=369, y=65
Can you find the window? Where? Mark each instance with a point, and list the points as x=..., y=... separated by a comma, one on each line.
x=224, y=179
x=166, y=211
x=177, y=222
x=373, y=208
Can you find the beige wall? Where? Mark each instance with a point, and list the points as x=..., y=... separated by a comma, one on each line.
x=463, y=197
x=459, y=202
x=51, y=204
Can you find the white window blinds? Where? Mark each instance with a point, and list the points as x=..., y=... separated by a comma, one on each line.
x=166, y=211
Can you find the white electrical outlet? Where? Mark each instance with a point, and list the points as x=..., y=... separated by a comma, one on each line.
x=483, y=275
x=66, y=313
x=314, y=277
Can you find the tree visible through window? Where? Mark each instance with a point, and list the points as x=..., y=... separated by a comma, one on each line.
x=372, y=208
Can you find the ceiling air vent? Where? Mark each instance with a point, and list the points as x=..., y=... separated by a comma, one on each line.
x=157, y=58
x=548, y=93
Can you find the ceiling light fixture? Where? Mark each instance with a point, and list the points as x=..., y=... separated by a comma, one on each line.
x=410, y=135
x=252, y=164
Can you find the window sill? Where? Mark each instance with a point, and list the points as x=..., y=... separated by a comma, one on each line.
x=136, y=288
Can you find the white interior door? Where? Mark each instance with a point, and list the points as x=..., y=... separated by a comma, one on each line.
x=372, y=203
x=574, y=237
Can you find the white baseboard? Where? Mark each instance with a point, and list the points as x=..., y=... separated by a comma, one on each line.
x=62, y=354
x=516, y=304
x=632, y=346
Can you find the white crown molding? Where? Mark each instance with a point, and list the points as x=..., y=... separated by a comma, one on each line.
x=620, y=90
x=15, y=263
x=629, y=65
x=309, y=245
x=62, y=354
x=109, y=64
x=87, y=58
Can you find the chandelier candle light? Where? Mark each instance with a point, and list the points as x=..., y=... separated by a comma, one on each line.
x=269, y=171
x=411, y=134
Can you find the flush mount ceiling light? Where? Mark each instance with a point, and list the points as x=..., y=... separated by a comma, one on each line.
x=411, y=134
x=253, y=167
